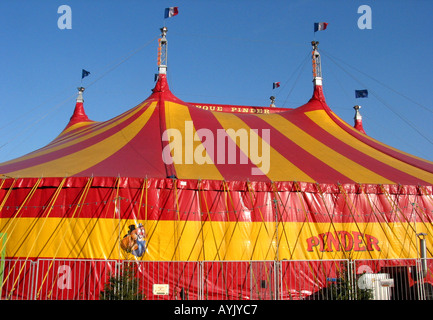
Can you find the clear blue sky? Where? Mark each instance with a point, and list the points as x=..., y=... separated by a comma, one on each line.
x=220, y=51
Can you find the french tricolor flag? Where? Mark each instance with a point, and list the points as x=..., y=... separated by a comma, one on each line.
x=171, y=12
x=275, y=85
x=319, y=26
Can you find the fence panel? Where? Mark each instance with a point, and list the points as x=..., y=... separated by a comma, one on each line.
x=264, y=280
x=17, y=279
x=399, y=279
x=226, y=280
x=73, y=279
x=239, y=280
x=182, y=278
x=312, y=280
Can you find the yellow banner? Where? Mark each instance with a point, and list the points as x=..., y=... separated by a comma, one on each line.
x=168, y=240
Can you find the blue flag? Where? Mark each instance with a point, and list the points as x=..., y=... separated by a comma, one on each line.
x=84, y=73
x=361, y=93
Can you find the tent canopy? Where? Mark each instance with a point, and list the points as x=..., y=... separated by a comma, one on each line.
x=166, y=137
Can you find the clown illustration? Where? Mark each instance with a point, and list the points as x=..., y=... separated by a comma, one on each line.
x=134, y=241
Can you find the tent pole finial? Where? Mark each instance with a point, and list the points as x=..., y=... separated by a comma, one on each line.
x=80, y=94
x=358, y=119
x=272, y=101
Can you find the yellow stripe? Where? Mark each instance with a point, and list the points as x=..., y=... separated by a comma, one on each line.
x=321, y=119
x=98, y=239
x=76, y=126
x=280, y=169
x=75, y=138
x=185, y=151
x=94, y=127
x=342, y=164
x=381, y=143
x=90, y=156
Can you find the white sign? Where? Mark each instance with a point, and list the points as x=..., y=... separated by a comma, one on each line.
x=160, y=289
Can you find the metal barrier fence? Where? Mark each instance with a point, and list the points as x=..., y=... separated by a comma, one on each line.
x=74, y=279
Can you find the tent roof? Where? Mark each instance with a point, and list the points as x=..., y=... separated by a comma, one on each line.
x=309, y=144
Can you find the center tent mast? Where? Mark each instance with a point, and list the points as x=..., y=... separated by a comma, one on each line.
x=162, y=52
x=317, y=68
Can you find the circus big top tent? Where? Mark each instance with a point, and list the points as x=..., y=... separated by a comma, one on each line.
x=171, y=181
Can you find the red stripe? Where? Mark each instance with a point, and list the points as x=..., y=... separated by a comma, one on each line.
x=203, y=119
x=376, y=166
x=395, y=154
x=134, y=159
x=83, y=131
x=302, y=159
x=224, y=204
x=19, y=165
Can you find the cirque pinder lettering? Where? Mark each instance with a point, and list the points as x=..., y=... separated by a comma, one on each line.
x=343, y=241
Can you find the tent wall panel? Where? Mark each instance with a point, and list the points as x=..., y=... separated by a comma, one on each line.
x=180, y=220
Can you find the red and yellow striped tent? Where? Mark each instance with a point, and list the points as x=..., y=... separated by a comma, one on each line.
x=306, y=144
x=195, y=182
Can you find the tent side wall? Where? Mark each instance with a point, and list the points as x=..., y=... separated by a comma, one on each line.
x=194, y=220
